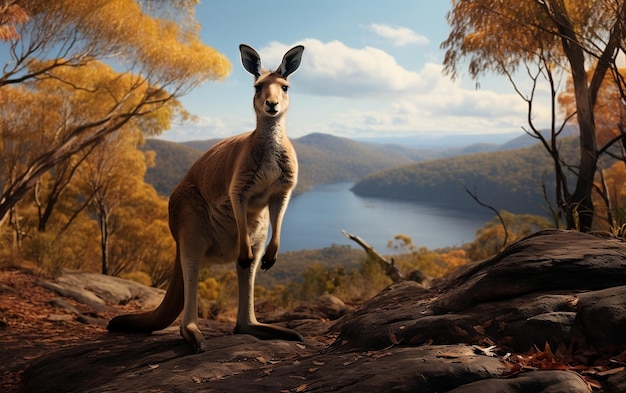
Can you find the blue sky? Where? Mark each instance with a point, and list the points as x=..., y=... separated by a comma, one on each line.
x=368, y=70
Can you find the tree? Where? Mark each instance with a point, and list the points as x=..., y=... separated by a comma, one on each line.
x=152, y=69
x=610, y=116
x=489, y=238
x=552, y=35
x=11, y=14
x=112, y=175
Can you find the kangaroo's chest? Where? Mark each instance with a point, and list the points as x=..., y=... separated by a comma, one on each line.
x=271, y=172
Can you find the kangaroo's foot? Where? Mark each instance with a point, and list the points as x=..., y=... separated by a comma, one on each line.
x=266, y=331
x=191, y=333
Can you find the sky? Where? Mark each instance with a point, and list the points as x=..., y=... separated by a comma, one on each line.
x=369, y=69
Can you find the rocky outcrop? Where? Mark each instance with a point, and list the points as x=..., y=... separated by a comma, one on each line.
x=97, y=290
x=545, y=315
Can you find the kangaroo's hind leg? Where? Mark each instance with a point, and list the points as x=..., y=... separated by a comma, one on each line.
x=246, y=318
x=190, y=228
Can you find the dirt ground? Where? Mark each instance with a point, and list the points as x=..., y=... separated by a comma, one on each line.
x=30, y=326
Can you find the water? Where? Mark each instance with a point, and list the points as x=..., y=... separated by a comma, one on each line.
x=315, y=219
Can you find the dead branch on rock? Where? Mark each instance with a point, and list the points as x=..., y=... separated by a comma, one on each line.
x=388, y=265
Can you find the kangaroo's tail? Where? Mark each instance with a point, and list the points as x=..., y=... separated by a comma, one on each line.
x=162, y=316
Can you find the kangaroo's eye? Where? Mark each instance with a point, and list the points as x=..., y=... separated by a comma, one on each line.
x=285, y=88
x=258, y=88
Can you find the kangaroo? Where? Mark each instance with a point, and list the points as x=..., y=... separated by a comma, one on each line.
x=221, y=211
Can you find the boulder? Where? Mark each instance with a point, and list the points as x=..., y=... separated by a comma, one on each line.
x=542, y=316
x=97, y=290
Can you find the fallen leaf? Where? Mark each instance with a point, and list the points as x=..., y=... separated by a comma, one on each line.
x=592, y=383
x=447, y=355
x=611, y=371
x=196, y=379
x=318, y=363
x=153, y=366
x=393, y=338
x=261, y=359
x=302, y=388
x=485, y=351
x=459, y=331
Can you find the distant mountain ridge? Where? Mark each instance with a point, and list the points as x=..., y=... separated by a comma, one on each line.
x=391, y=170
x=322, y=158
x=504, y=179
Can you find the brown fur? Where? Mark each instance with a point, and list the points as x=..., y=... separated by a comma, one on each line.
x=221, y=211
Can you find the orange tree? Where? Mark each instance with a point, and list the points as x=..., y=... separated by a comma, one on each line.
x=154, y=48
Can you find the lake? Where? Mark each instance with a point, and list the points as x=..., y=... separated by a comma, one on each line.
x=315, y=219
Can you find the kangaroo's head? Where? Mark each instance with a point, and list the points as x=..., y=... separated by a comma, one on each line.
x=270, y=97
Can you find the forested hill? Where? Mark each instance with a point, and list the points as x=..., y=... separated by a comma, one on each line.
x=509, y=179
x=323, y=158
x=171, y=163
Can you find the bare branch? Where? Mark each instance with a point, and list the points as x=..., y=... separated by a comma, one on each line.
x=475, y=198
x=388, y=266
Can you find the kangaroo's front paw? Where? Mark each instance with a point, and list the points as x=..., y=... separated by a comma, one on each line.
x=267, y=263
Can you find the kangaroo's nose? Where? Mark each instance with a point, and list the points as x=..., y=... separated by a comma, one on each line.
x=271, y=104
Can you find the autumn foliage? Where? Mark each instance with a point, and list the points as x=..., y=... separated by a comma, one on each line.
x=80, y=71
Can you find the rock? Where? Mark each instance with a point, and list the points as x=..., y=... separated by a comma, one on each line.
x=79, y=294
x=556, y=287
x=548, y=260
x=65, y=305
x=96, y=290
x=536, y=382
x=91, y=320
x=59, y=317
x=603, y=314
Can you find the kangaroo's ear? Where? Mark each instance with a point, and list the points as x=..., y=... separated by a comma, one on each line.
x=251, y=60
x=291, y=61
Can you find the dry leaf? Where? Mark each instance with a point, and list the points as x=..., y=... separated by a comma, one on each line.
x=153, y=366
x=459, y=331
x=196, y=379
x=318, y=363
x=447, y=355
x=486, y=351
x=611, y=371
x=261, y=359
x=393, y=338
x=302, y=388
x=592, y=383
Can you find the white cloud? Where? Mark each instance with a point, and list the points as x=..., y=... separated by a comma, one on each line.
x=448, y=108
x=334, y=69
x=207, y=127
x=400, y=36
x=358, y=92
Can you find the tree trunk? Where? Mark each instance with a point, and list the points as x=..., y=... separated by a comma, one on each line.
x=579, y=206
x=104, y=239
